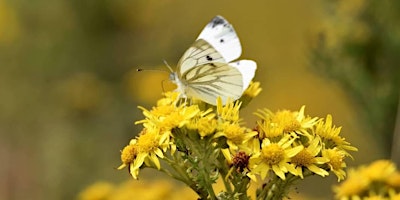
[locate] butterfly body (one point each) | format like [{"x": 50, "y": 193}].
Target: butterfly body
[{"x": 206, "y": 72}]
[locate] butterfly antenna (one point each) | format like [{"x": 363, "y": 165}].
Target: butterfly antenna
[
  {"x": 169, "y": 67},
  {"x": 156, "y": 70}
]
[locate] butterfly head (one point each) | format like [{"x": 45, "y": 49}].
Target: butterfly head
[{"x": 173, "y": 76}]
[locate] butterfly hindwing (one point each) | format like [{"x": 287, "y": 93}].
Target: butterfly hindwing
[
  {"x": 247, "y": 68},
  {"x": 221, "y": 35}
]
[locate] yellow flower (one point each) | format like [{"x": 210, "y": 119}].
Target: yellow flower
[
  {"x": 336, "y": 161},
  {"x": 128, "y": 155},
  {"x": 171, "y": 98},
  {"x": 250, "y": 93},
  {"x": 370, "y": 182},
  {"x": 379, "y": 170},
  {"x": 229, "y": 112},
  {"x": 394, "y": 180},
  {"x": 353, "y": 186},
  {"x": 375, "y": 197},
  {"x": 235, "y": 134},
  {"x": 330, "y": 135},
  {"x": 275, "y": 157},
  {"x": 167, "y": 117},
  {"x": 148, "y": 146},
  {"x": 308, "y": 158},
  {"x": 276, "y": 124},
  {"x": 98, "y": 191},
  {"x": 253, "y": 90},
  {"x": 205, "y": 123}
]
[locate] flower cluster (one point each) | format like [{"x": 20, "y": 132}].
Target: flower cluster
[
  {"x": 296, "y": 144},
  {"x": 201, "y": 144},
  {"x": 379, "y": 180},
  {"x": 143, "y": 190}
]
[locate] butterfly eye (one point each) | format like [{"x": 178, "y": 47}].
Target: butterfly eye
[{"x": 172, "y": 76}]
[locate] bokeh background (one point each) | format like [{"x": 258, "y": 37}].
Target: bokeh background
[{"x": 69, "y": 89}]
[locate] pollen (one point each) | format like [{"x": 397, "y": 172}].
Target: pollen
[
  {"x": 147, "y": 142},
  {"x": 128, "y": 154},
  {"x": 287, "y": 120},
  {"x": 234, "y": 133},
  {"x": 336, "y": 160},
  {"x": 303, "y": 158},
  {"x": 273, "y": 154},
  {"x": 163, "y": 110}
]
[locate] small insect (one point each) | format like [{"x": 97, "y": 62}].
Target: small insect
[{"x": 205, "y": 70}]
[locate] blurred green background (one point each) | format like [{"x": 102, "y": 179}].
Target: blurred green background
[{"x": 69, "y": 90}]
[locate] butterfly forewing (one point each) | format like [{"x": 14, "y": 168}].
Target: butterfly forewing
[
  {"x": 200, "y": 53},
  {"x": 221, "y": 35}
]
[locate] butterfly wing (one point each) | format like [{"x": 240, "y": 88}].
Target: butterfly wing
[
  {"x": 200, "y": 53},
  {"x": 221, "y": 35},
  {"x": 247, "y": 68},
  {"x": 204, "y": 74},
  {"x": 210, "y": 81}
]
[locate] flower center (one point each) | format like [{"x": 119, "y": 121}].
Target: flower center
[
  {"x": 234, "y": 133},
  {"x": 287, "y": 121},
  {"x": 147, "y": 142},
  {"x": 128, "y": 154},
  {"x": 303, "y": 158},
  {"x": 273, "y": 154},
  {"x": 336, "y": 161}
]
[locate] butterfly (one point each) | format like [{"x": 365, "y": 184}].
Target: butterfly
[{"x": 206, "y": 70}]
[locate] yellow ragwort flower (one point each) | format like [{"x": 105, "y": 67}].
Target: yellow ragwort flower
[
  {"x": 228, "y": 112},
  {"x": 128, "y": 155},
  {"x": 235, "y": 134},
  {"x": 336, "y": 161},
  {"x": 308, "y": 158},
  {"x": 97, "y": 191},
  {"x": 275, "y": 157},
  {"x": 394, "y": 180},
  {"x": 330, "y": 135},
  {"x": 370, "y": 182},
  {"x": 253, "y": 90},
  {"x": 353, "y": 187},
  {"x": 171, "y": 98},
  {"x": 167, "y": 117},
  {"x": 205, "y": 123},
  {"x": 379, "y": 170},
  {"x": 148, "y": 146},
  {"x": 276, "y": 124}
]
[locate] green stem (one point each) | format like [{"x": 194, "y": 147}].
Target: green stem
[
  {"x": 242, "y": 186},
  {"x": 198, "y": 159},
  {"x": 180, "y": 174},
  {"x": 276, "y": 188},
  {"x": 204, "y": 153}
]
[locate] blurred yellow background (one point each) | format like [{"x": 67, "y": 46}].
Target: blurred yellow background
[{"x": 69, "y": 89}]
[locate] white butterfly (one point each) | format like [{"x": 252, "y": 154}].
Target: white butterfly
[{"x": 205, "y": 70}]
